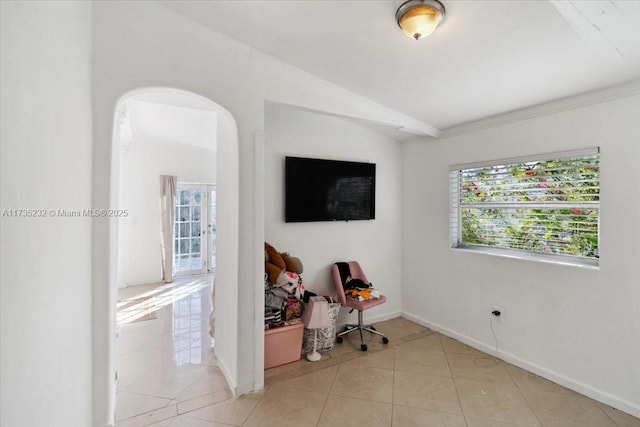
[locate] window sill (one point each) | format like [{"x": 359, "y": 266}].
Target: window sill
[{"x": 542, "y": 258}]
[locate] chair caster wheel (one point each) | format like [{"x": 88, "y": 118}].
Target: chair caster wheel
[
  {"x": 339, "y": 340},
  {"x": 363, "y": 347},
  {"x": 374, "y": 328},
  {"x": 385, "y": 340}
]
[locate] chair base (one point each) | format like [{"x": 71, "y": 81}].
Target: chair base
[{"x": 361, "y": 327}]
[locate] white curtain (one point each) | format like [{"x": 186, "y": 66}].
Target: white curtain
[{"x": 169, "y": 189}]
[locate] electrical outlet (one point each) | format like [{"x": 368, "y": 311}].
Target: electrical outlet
[{"x": 497, "y": 313}]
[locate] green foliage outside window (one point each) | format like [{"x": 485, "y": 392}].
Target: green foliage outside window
[{"x": 549, "y": 207}]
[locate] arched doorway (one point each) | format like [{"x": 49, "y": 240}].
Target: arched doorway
[{"x": 227, "y": 191}]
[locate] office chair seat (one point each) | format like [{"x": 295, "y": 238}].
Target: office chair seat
[
  {"x": 364, "y": 305},
  {"x": 356, "y": 272}
]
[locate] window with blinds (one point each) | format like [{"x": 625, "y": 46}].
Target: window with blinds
[{"x": 547, "y": 205}]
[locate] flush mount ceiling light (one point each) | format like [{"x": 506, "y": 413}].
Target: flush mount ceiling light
[{"x": 419, "y": 18}]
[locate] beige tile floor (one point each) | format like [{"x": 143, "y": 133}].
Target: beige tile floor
[{"x": 168, "y": 377}]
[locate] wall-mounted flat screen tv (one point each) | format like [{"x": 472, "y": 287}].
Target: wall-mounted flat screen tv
[{"x": 329, "y": 190}]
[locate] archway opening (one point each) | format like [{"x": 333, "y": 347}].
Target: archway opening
[{"x": 180, "y": 122}]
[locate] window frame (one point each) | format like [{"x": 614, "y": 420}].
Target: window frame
[{"x": 456, "y": 207}]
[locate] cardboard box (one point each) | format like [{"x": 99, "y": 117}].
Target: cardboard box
[{"x": 282, "y": 345}]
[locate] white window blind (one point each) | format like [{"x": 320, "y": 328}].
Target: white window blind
[{"x": 547, "y": 204}]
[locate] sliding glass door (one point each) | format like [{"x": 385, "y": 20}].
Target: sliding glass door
[{"x": 194, "y": 231}]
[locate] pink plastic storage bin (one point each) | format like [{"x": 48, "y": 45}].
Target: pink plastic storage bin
[{"x": 282, "y": 345}]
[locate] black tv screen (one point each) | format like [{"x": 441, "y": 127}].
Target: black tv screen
[{"x": 329, "y": 190}]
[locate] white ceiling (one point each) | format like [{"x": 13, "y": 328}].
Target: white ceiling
[
  {"x": 172, "y": 119},
  {"x": 487, "y": 58}
]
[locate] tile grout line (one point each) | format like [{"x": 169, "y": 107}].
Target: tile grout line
[
  {"x": 171, "y": 401},
  {"x": 455, "y": 386},
  {"x": 599, "y": 405},
  {"x": 523, "y": 396},
  {"x": 252, "y": 409},
  {"x": 326, "y": 397},
  {"x": 147, "y": 413},
  {"x": 324, "y": 406},
  {"x": 393, "y": 384}
]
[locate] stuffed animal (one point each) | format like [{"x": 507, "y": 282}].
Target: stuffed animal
[
  {"x": 292, "y": 283},
  {"x": 275, "y": 263},
  {"x": 283, "y": 270}
]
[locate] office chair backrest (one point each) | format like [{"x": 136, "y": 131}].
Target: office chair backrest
[{"x": 356, "y": 273}]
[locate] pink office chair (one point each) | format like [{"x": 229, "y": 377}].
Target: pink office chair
[{"x": 356, "y": 273}]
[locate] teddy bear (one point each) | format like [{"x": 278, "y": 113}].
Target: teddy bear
[{"x": 283, "y": 270}]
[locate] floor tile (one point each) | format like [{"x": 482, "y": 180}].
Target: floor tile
[
  {"x": 568, "y": 410},
  {"x": 340, "y": 349},
  {"x": 166, "y": 380},
  {"x": 211, "y": 380},
  {"x": 163, "y": 423},
  {"x": 131, "y": 404},
  {"x": 425, "y": 392},
  {"x": 454, "y": 346},
  {"x": 495, "y": 401},
  {"x": 528, "y": 381},
  {"x": 398, "y": 327},
  {"x": 481, "y": 422},
  {"x": 621, "y": 419},
  {"x": 383, "y": 359},
  {"x": 351, "y": 342},
  {"x": 347, "y": 412},
  {"x": 415, "y": 417},
  {"x": 231, "y": 411},
  {"x": 319, "y": 381},
  {"x": 185, "y": 421},
  {"x": 167, "y": 377},
  {"x": 281, "y": 407},
  {"x": 202, "y": 401},
  {"x": 303, "y": 367},
  {"x": 413, "y": 337},
  {"x": 482, "y": 368},
  {"x": 364, "y": 383},
  {"x": 149, "y": 417},
  {"x": 431, "y": 342},
  {"x": 411, "y": 359}
]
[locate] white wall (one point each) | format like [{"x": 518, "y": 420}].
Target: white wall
[
  {"x": 46, "y": 62},
  {"x": 576, "y": 326},
  {"x": 45, "y": 133},
  {"x": 143, "y": 162},
  {"x": 376, "y": 243},
  {"x": 141, "y": 44}
]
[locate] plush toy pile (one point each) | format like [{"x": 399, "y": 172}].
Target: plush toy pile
[
  {"x": 283, "y": 271},
  {"x": 284, "y": 288}
]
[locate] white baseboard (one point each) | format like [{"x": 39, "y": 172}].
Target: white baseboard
[
  {"x": 141, "y": 282},
  {"x": 236, "y": 390},
  {"x": 373, "y": 319},
  {"x": 383, "y": 317},
  {"x": 601, "y": 396},
  {"x": 245, "y": 389},
  {"x": 227, "y": 376}
]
